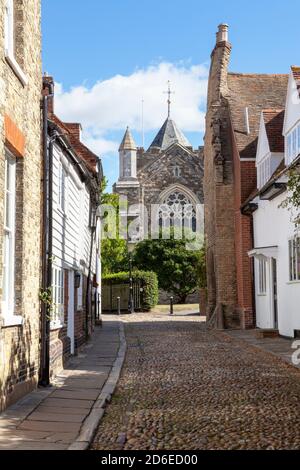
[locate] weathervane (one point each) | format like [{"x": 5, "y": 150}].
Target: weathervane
[{"x": 169, "y": 93}]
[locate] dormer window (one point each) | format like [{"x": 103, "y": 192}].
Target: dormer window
[{"x": 293, "y": 144}]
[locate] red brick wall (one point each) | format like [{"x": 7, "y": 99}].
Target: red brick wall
[{"x": 245, "y": 184}]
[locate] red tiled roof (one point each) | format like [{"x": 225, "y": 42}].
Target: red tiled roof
[
  {"x": 255, "y": 92},
  {"x": 274, "y": 125},
  {"x": 80, "y": 149}
]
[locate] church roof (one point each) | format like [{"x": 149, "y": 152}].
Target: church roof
[
  {"x": 169, "y": 134},
  {"x": 128, "y": 142}
]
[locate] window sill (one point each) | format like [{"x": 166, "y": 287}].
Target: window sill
[
  {"x": 16, "y": 68},
  {"x": 13, "y": 320},
  {"x": 293, "y": 282}
]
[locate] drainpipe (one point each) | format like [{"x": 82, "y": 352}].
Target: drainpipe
[{"x": 47, "y": 246}]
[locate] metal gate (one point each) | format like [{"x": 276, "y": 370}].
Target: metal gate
[{"x": 111, "y": 291}]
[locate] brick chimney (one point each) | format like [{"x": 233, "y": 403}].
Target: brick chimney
[
  {"x": 48, "y": 90},
  {"x": 220, "y": 56},
  {"x": 75, "y": 129},
  {"x": 222, "y": 34}
]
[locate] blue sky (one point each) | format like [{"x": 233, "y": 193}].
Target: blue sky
[{"x": 106, "y": 56}]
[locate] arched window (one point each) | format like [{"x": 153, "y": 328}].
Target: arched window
[{"x": 177, "y": 210}]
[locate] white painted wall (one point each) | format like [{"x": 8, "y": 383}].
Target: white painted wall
[{"x": 273, "y": 227}]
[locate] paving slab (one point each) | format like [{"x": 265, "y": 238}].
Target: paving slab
[
  {"x": 80, "y": 404},
  {"x": 56, "y": 426},
  {"x": 59, "y": 417},
  {"x": 76, "y": 394}
]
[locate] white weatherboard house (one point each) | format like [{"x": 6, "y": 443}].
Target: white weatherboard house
[
  {"x": 276, "y": 250},
  {"x": 72, "y": 265}
]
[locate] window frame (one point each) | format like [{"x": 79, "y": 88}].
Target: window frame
[
  {"x": 9, "y": 41},
  {"x": 292, "y": 144},
  {"x": 62, "y": 188},
  {"x": 80, "y": 294},
  {"x": 262, "y": 276},
  {"x": 9, "y": 242},
  {"x": 294, "y": 259},
  {"x": 58, "y": 298}
]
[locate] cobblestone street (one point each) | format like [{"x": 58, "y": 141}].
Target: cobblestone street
[{"x": 185, "y": 388}]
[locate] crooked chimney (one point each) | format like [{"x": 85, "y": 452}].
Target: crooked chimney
[{"x": 222, "y": 34}]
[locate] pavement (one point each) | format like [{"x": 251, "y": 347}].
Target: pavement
[
  {"x": 184, "y": 387},
  {"x": 66, "y": 415},
  {"x": 278, "y": 346}
]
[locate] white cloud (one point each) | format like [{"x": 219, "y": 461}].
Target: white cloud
[{"x": 112, "y": 104}]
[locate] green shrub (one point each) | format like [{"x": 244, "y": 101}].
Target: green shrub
[{"x": 148, "y": 281}]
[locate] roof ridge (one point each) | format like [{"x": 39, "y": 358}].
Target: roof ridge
[{"x": 238, "y": 74}]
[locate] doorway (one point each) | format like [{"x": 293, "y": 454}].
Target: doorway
[{"x": 275, "y": 294}]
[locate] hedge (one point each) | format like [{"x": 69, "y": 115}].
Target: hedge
[{"x": 148, "y": 281}]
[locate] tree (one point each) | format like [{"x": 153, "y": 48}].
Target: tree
[
  {"x": 292, "y": 201},
  {"x": 114, "y": 255},
  {"x": 180, "y": 271}
]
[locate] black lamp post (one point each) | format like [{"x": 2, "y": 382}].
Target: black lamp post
[{"x": 131, "y": 300}]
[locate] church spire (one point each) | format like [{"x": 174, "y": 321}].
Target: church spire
[
  {"x": 128, "y": 142},
  {"x": 169, "y": 93}
]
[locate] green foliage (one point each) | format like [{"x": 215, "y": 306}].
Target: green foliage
[
  {"x": 292, "y": 201},
  {"x": 47, "y": 299},
  {"x": 148, "y": 281},
  {"x": 113, "y": 255},
  {"x": 179, "y": 270},
  {"x": 113, "y": 250}
]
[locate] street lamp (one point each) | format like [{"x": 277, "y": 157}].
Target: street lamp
[{"x": 131, "y": 299}]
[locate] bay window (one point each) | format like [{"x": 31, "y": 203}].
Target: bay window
[{"x": 293, "y": 144}]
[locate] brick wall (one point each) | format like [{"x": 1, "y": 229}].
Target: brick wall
[{"x": 19, "y": 345}]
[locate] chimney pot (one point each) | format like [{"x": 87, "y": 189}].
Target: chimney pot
[{"x": 222, "y": 34}]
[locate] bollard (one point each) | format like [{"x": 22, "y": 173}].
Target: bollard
[
  {"x": 119, "y": 305},
  {"x": 171, "y": 306}
]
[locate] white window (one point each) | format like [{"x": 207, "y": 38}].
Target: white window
[
  {"x": 264, "y": 172},
  {"x": 62, "y": 177},
  {"x": 294, "y": 259},
  {"x": 9, "y": 28},
  {"x": 79, "y": 294},
  {"x": 293, "y": 144},
  {"x": 9, "y": 34},
  {"x": 262, "y": 280},
  {"x": 57, "y": 316},
  {"x": 9, "y": 236}
]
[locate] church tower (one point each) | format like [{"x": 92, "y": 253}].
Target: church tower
[
  {"x": 127, "y": 157},
  {"x": 128, "y": 186}
]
